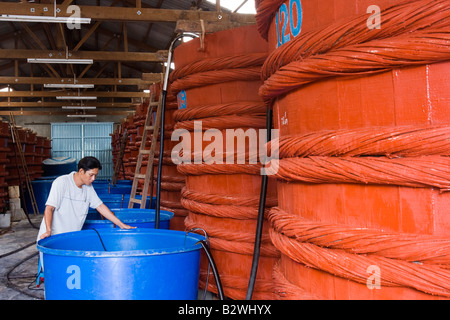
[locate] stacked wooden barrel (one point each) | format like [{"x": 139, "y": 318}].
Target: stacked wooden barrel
[
  {"x": 216, "y": 81},
  {"x": 4, "y": 151},
  {"x": 133, "y": 126},
  {"x": 364, "y": 119},
  {"x": 172, "y": 182},
  {"x": 131, "y": 150},
  {"x": 34, "y": 148},
  {"x": 40, "y": 154},
  {"x": 116, "y": 139}
]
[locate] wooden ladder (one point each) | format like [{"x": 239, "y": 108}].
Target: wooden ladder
[
  {"x": 119, "y": 162},
  {"x": 16, "y": 140},
  {"x": 148, "y": 176}
]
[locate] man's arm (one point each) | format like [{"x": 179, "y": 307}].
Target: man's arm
[
  {"x": 104, "y": 211},
  {"x": 48, "y": 218}
]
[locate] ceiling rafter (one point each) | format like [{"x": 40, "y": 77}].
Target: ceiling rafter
[
  {"x": 150, "y": 79},
  {"x": 87, "y": 35},
  {"x": 126, "y": 39},
  {"x": 45, "y": 67},
  {"x": 61, "y": 113},
  {"x": 103, "y": 13},
  {"x": 41, "y": 45},
  {"x": 100, "y": 94},
  {"x": 46, "y": 104},
  {"x": 98, "y": 56}
]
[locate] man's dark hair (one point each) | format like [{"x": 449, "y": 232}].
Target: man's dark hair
[{"x": 88, "y": 163}]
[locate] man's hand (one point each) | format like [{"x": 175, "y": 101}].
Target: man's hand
[
  {"x": 48, "y": 218},
  {"x": 125, "y": 226},
  {"x": 108, "y": 214},
  {"x": 45, "y": 235}
]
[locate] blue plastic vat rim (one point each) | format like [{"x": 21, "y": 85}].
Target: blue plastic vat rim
[
  {"x": 54, "y": 161},
  {"x": 130, "y": 253},
  {"x": 164, "y": 216}
]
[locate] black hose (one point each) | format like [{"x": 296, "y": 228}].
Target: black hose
[
  {"x": 11, "y": 285},
  {"x": 17, "y": 250},
  {"x": 160, "y": 162},
  {"x": 260, "y": 219},
  {"x": 161, "y": 142},
  {"x": 24, "y": 205},
  {"x": 100, "y": 238},
  {"x": 214, "y": 268}
]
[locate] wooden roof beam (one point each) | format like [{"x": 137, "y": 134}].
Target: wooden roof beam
[
  {"x": 59, "y": 104},
  {"x": 95, "y": 55},
  {"x": 87, "y": 35},
  {"x": 149, "y": 79},
  {"x": 100, "y": 94},
  {"x": 208, "y": 27},
  {"x": 61, "y": 113},
  {"x": 102, "y": 13}
]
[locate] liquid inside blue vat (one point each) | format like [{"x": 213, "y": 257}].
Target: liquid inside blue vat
[
  {"x": 122, "y": 200},
  {"x": 110, "y": 189},
  {"x": 104, "y": 182},
  {"x": 149, "y": 264},
  {"x": 141, "y": 218}
]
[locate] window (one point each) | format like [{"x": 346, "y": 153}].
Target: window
[{"x": 79, "y": 140}]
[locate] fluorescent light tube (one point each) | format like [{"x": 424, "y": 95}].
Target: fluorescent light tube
[
  {"x": 79, "y": 107},
  {"x": 81, "y": 115},
  {"x": 68, "y": 85},
  {"x": 52, "y": 19},
  {"x": 66, "y": 61},
  {"x": 75, "y": 98}
]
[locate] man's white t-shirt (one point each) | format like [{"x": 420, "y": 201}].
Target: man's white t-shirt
[{"x": 71, "y": 205}]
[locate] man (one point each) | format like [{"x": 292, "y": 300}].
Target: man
[{"x": 69, "y": 200}]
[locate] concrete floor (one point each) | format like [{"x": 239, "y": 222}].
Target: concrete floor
[{"x": 19, "y": 261}]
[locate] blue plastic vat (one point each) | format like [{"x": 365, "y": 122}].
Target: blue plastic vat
[
  {"x": 139, "y": 264},
  {"x": 110, "y": 189},
  {"x": 41, "y": 190},
  {"x": 141, "y": 218},
  {"x": 115, "y": 199},
  {"x": 122, "y": 200},
  {"x": 59, "y": 165},
  {"x": 105, "y": 182}
]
